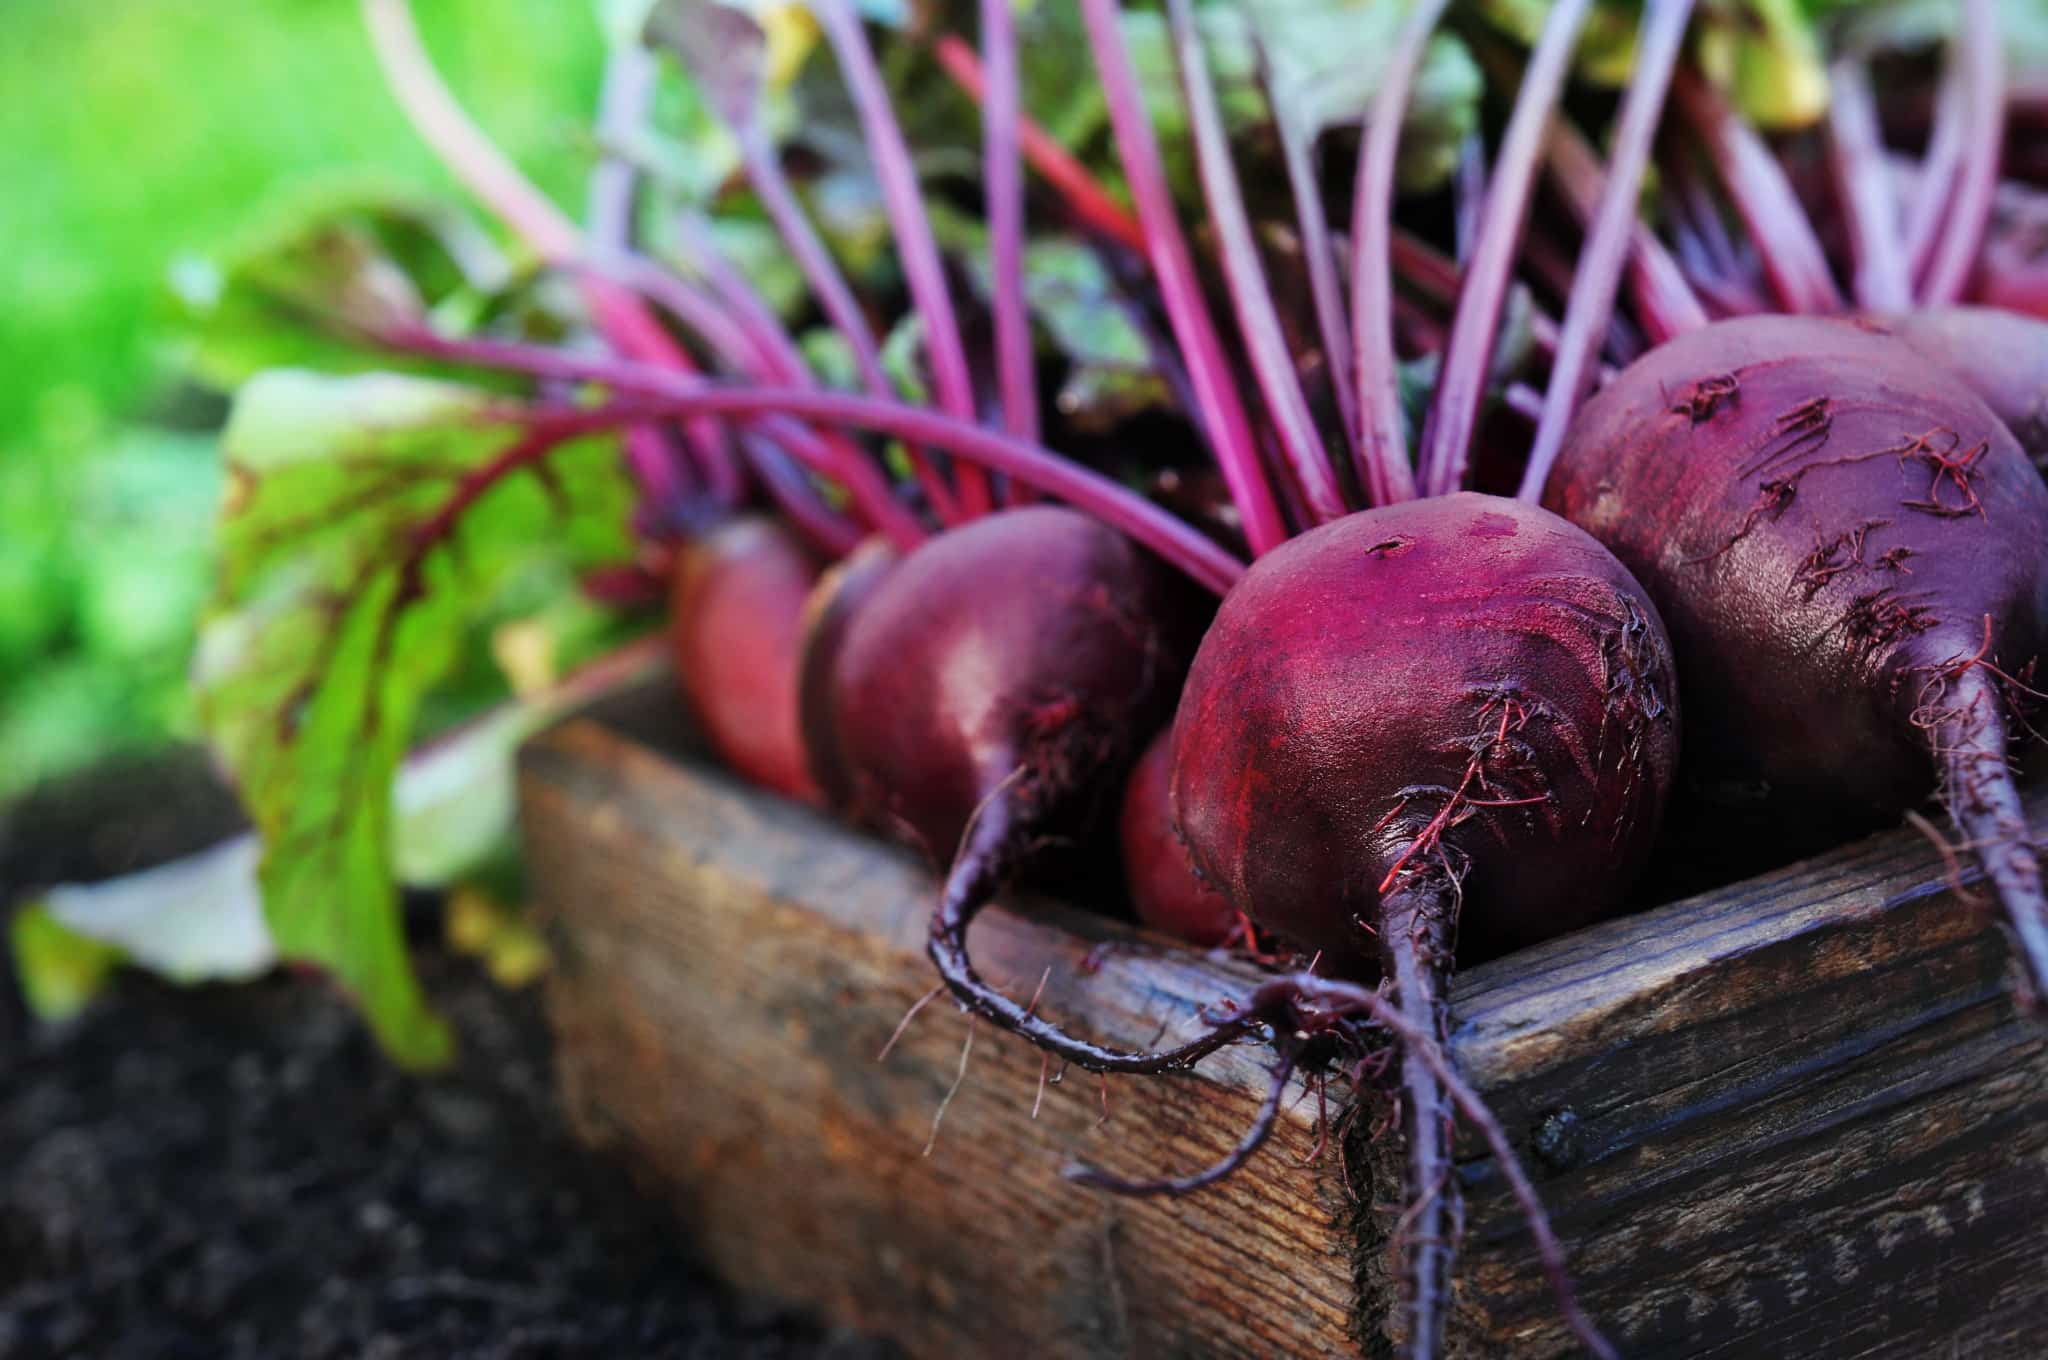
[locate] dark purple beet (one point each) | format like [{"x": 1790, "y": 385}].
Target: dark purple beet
[
  {"x": 827, "y": 615},
  {"x": 1165, "y": 890},
  {"x": 1852, "y": 554},
  {"x": 991, "y": 694},
  {"x": 1998, "y": 354},
  {"x": 734, "y": 622},
  {"x": 1441, "y": 715}
]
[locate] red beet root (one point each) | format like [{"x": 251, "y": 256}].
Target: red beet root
[
  {"x": 990, "y": 694},
  {"x": 1164, "y": 888},
  {"x": 1852, "y": 554},
  {"x": 828, "y": 614},
  {"x": 734, "y": 621},
  {"x": 1459, "y": 706},
  {"x": 2000, "y": 355}
]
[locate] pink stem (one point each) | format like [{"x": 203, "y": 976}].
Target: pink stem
[
  {"x": 1003, "y": 178},
  {"x": 780, "y": 358},
  {"x": 1609, "y": 243},
  {"x": 1468, "y": 189},
  {"x": 1940, "y": 165},
  {"x": 1779, "y": 229},
  {"x": 748, "y": 350},
  {"x": 903, "y": 201},
  {"x": 1863, "y": 186},
  {"x": 675, "y": 396},
  {"x": 1082, "y": 194},
  {"x": 1294, "y": 425},
  {"x": 1325, "y": 286},
  {"x": 1447, "y": 433},
  {"x": 830, "y": 532},
  {"x": 1221, "y": 408},
  {"x": 489, "y": 174},
  {"x": 1664, "y": 302},
  {"x": 1962, "y": 234},
  {"x": 1382, "y": 448},
  {"x": 613, "y": 195}
]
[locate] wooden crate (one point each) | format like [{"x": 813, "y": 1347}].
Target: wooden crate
[{"x": 1797, "y": 1117}]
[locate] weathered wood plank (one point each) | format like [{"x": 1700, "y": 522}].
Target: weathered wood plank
[
  {"x": 729, "y": 968},
  {"x": 1805, "y": 1121},
  {"x": 1794, "y": 1117}
]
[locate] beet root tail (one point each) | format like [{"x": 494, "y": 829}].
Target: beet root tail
[
  {"x": 1415, "y": 929},
  {"x": 1985, "y": 804},
  {"x": 989, "y": 853}
]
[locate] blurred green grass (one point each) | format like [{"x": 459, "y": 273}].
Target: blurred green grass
[{"x": 141, "y": 133}]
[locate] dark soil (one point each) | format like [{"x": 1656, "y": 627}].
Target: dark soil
[{"x": 235, "y": 1172}]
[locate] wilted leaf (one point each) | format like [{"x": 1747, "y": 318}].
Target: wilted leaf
[{"x": 367, "y": 519}]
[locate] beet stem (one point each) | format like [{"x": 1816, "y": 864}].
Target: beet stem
[
  {"x": 1342, "y": 998},
  {"x": 675, "y": 395},
  {"x": 1079, "y": 191},
  {"x": 1258, "y": 322},
  {"x": 1381, "y": 448},
  {"x": 1664, "y": 302},
  {"x": 1969, "y": 213},
  {"x": 1610, "y": 240},
  {"x": 1863, "y": 186},
  {"x": 871, "y": 492},
  {"x": 835, "y": 296},
  {"x": 1454, "y": 412},
  {"x": 1175, "y": 1186},
  {"x": 1319, "y": 260},
  {"x": 903, "y": 202},
  {"x": 482, "y": 167},
  {"x": 1779, "y": 228},
  {"x": 751, "y": 352},
  {"x": 1003, "y": 188},
  {"x": 823, "y": 528},
  {"x": 1985, "y": 803},
  {"x": 1938, "y": 168},
  {"x": 1218, "y": 402},
  {"x": 988, "y": 854},
  {"x": 1468, "y": 188},
  {"x": 1415, "y": 951},
  {"x": 612, "y": 201}
]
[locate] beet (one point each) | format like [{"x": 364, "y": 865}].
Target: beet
[
  {"x": 827, "y": 616},
  {"x": 1851, "y": 552},
  {"x": 990, "y": 696},
  {"x": 2000, "y": 355},
  {"x": 1445, "y": 715},
  {"x": 734, "y": 622},
  {"x": 1165, "y": 890}
]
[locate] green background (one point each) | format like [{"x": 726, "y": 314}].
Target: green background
[{"x": 140, "y": 135}]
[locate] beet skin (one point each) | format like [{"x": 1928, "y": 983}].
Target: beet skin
[
  {"x": 990, "y": 697},
  {"x": 1442, "y": 717},
  {"x": 735, "y": 626},
  {"x": 1165, "y": 890},
  {"x": 1851, "y": 552}
]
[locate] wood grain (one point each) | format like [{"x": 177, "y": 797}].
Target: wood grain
[{"x": 1795, "y": 1117}]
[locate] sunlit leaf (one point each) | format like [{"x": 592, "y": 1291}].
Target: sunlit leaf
[{"x": 366, "y": 520}]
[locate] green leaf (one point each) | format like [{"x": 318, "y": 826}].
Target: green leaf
[
  {"x": 60, "y": 970},
  {"x": 1768, "y": 58},
  {"x": 722, "y": 48},
  {"x": 367, "y": 519},
  {"x": 355, "y": 251},
  {"x": 1327, "y": 59},
  {"x": 1607, "y": 44}
]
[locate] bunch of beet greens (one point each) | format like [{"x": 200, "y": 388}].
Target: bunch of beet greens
[{"x": 1759, "y": 543}]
